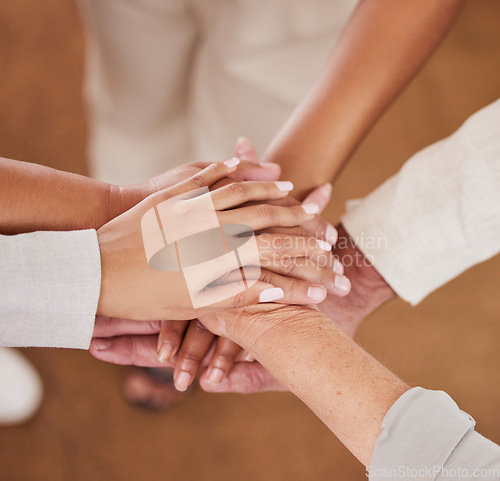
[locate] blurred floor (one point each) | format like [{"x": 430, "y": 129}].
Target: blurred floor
[{"x": 86, "y": 432}]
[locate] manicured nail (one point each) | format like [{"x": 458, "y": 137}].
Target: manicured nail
[
  {"x": 284, "y": 185},
  {"x": 243, "y": 146},
  {"x": 232, "y": 162},
  {"x": 165, "y": 351},
  {"x": 342, "y": 283},
  {"x": 331, "y": 234},
  {"x": 272, "y": 294},
  {"x": 215, "y": 375},
  {"x": 316, "y": 293},
  {"x": 328, "y": 187},
  {"x": 338, "y": 267},
  {"x": 101, "y": 344},
  {"x": 249, "y": 357},
  {"x": 311, "y": 208},
  {"x": 182, "y": 381},
  {"x": 324, "y": 245}
]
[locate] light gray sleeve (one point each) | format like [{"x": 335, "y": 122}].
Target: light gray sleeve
[
  {"x": 439, "y": 215},
  {"x": 50, "y": 284},
  {"x": 425, "y": 436}
]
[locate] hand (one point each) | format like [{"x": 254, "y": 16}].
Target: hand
[
  {"x": 187, "y": 345},
  {"x": 190, "y": 347},
  {"x": 123, "y": 198},
  {"x": 156, "y": 294},
  {"x": 369, "y": 291},
  {"x": 139, "y": 350}
]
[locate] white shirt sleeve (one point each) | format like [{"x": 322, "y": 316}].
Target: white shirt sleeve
[
  {"x": 50, "y": 284},
  {"x": 426, "y": 436},
  {"x": 439, "y": 215}
]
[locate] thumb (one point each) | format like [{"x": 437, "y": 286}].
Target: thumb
[
  {"x": 320, "y": 195},
  {"x": 246, "y": 151}
]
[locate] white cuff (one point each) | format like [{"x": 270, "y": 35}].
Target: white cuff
[
  {"x": 426, "y": 436},
  {"x": 439, "y": 215},
  {"x": 50, "y": 285}
]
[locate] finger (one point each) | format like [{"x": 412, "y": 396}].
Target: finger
[
  {"x": 296, "y": 291},
  {"x": 320, "y": 195},
  {"x": 246, "y": 151},
  {"x": 223, "y": 359},
  {"x": 135, "y": 350},
  {"x": 206, "y": 177},
  {"x": 244, "y": 378},
  {"x": 170, "y": 339},
  {"x": 238, "y": 294},
  {"x": 274, "y": 247},
  {"x": 252, "y": 171},
  {"x": 195, "y": 346},
  {"x": 262, "y": 216},
  {"x": 238, "y": 193},
  {"x": 115, "y": 326},
  {"x": 312, "y": 271}
]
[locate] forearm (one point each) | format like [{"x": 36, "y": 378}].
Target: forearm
[
  {"x": 34, "y": 197},
  {"x": 346, "y": 388},
  {"x": 381, "y": 49}
]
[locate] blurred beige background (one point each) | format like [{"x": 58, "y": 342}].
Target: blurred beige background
[{"x": 85, "y": 431}]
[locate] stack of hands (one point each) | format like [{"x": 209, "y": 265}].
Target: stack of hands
[{"x": 298, "y": 269}]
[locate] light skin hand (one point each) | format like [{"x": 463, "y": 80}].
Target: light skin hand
[
  {"x": 188, "y": 357},
  {"x": 369, "y": 291},
  {"x": 131, "y": 289},
  {"x": 307, "y": 353}
]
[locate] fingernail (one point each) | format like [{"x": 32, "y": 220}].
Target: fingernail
[
  {"x": 328, "y": 187},
  {"x": 342, "y": 283},
  {"x": 316, "y": 293},
  {"x": 311, "y": 208},
  {"x": 165, "y": 351},
  {"x": 272, "y": 294},
  {"x": 243, "y": 146},
  {"x": 284, "y": 185},
  {"x": 249, "y": 357},
  {"x": 215, "y": 375},
  {"x": 331, "y": 234},
  {"x": 324, "y": 245},
  {"x": 182, "y": 381},
  {"x": 338, "y": 267},
  {"x": 101, "y": 344},
  {"x": 232, "y": 162}
]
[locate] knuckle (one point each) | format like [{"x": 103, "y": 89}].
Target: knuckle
[
  {"x": 288, "y": 265},
  {"x": 224, "y": 359},
  {"x": 240, "y": 300},
  {"x": 266, "y": 276},
  {"x": 255, "y": 382},
  {"x": 154, "y": 326},
  {"x": 266, "y": 213},
  {"x": 190, "y": 357},
  {"x": 238, "y": 190},
  {"x": 198, "y": 327},
  {"x": 198, "y": 180},
  {"x": 279, "y": 244}
]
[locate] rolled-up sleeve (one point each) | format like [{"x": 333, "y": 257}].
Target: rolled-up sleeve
[
  {"x": 50, "y": 284},
  {"x": 426, "y": 436},
  {"x": 439, "y": 215}
]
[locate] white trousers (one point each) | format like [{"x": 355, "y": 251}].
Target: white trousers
[{"x": 174, "y": 81}]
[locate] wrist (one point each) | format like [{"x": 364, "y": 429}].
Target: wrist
[
  {"x": 368, "y": 289},
  {"x": 121, "y": 198},
  {"x": 274, "y": 327}
]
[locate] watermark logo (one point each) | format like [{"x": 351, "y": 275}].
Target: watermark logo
[{"x": 183, "y": 234}]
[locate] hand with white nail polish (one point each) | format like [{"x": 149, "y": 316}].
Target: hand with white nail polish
[{"x": 191, "y": 279}]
